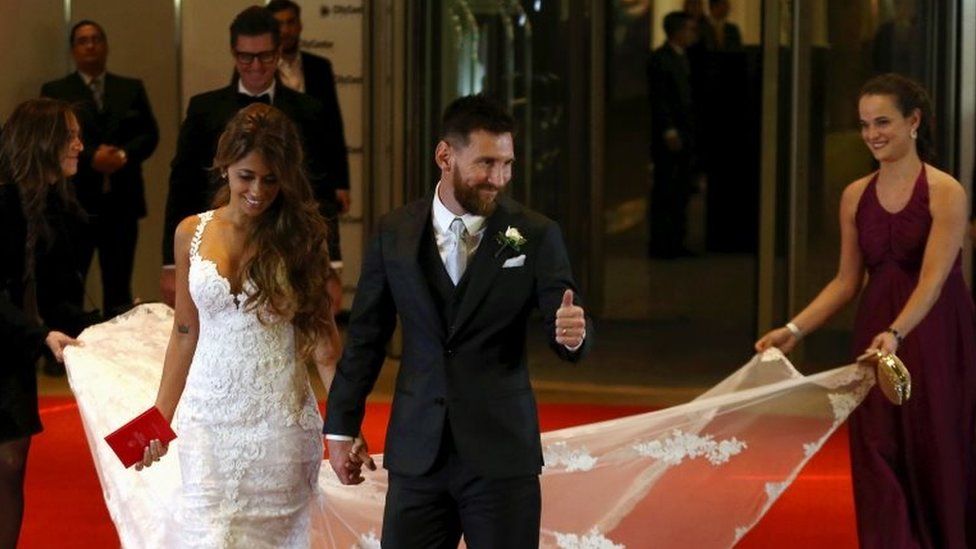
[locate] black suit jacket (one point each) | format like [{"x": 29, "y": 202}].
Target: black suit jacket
[
  {"x": 320, "y": 84},
  {"x": 731, "y": 36},
  {"x": 20, "y": 335},
  {"x": 473, "y": 373},
  {"x": 192, "y": 185},
  {"x": 127, "y": 122},
  {"x": 669, "y": 85}
]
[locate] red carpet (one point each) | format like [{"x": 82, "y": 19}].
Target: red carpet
[{"x": 65, "y": 507}]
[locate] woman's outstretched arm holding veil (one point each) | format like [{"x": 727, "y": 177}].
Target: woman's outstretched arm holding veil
[
  {"x": 839, "y": 291},
  {"x": 182, "y": 340}
]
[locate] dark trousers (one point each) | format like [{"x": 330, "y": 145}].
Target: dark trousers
[
  {"x": 668, "y": 208},
  {"x": 115, "y": 239},
  {"x": 434, "y": 510}
]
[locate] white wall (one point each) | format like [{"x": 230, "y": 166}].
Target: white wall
[{"x": 35, "y": 48}]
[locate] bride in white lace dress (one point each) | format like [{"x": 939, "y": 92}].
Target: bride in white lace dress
[{"x": 251, "y": 308}]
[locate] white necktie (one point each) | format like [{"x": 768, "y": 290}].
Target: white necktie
[{"x": 457, "y": 257}]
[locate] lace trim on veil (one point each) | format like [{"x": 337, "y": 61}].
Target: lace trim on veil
[{"x": 697, "y": 475}]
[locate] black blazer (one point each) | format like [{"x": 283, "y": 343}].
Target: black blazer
[
  {"x": 192, "y": 185},
  {"x": 126, "y": 122},
  {"x": 320, "y": 84},
  {"x": 472, "y": 373},
  {"x": 669, "y": 87},
  {"x": 732, "y": 37},
  {"x": 21, "y": 337}
]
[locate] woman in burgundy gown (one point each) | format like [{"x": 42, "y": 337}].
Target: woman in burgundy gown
[{"x": 913, "y": 466}]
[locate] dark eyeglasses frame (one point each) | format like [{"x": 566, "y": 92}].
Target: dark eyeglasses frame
[{"x": 265, "y": 57}]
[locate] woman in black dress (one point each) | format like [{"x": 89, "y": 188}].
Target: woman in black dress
[{"x": 39, "y": 150}]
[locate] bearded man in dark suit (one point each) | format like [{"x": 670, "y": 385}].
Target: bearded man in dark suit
[
  {"x": 462, "y": 268},
  {"x": 254, "y": 41},
  {"x": 119, "y": 133},
  {"x": 311, "y": 74}
]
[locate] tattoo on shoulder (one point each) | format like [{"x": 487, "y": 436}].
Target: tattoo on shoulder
[{"x": 183, "y": 328}]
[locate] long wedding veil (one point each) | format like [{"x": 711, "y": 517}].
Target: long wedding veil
[{"x": 696, "y": 475}]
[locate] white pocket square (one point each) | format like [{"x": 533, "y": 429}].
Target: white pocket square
[{"x": 514, "y": 262}]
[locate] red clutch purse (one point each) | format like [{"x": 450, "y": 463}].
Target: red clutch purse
[{"x": 130, "y": 440}]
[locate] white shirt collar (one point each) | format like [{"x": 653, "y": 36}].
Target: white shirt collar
[
  {"x": 87, "y": 79},
  {"x": 291, "y": 72},
  {"x": 443, "y": 217},
  {"x": 270, "y": 90},
  {"x": 295, "y": 64}
]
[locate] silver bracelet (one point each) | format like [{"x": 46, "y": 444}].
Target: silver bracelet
[{"x": 794, "y": 329}]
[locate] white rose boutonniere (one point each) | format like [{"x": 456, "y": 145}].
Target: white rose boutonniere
[{"x": 511, "y": 238}]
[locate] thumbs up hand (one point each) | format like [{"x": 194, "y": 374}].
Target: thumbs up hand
[{"x": 570, "y": 323}]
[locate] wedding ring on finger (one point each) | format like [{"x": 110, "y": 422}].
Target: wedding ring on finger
[{"x": 564, "y": 331}]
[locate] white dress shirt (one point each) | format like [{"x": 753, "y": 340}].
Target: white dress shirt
[
  {"x": 292, "y": 73},
  {"x": 442, "y": 218},
  {"x": 270, "y": 90}
]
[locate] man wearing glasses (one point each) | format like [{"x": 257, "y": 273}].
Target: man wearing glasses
[{"x": 254, "y": 41}]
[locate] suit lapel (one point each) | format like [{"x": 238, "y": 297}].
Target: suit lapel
[
  {"x": 411, "y": 233},
  {"x": 81, "y": 90},
  {"x": 485, "y": 266}
]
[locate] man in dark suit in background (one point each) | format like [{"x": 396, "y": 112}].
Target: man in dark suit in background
[
  {"x": 312, "y": 74},
  {"x": 254, "y": 44},
  {"x": 463, "y": 268},
  {"x": 119, "y": 133},
  {"x": 717, "y": 33},
  {"x": 672, "y": 138}
]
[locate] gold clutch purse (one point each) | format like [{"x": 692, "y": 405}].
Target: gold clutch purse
[{"x": 892, "y": 375}]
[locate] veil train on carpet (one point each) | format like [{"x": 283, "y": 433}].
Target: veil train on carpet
[{"x": 700, "y": 474}]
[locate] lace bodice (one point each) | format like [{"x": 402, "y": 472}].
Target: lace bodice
[
  {"x": 248, "y": 420},
  {"x": 244, "y": 363}
]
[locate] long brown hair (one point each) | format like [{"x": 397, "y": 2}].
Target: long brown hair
[
  {"x": 32, "y": 144},
  {"x": 290, "y": 264}
]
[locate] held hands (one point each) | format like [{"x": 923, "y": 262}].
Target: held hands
[
  {"x": 781, "y": 338},
  {"x": 348, "y": 457},
  {"x": 570, "y": 322},
  {"x": 152, "y": 454},
  {"x": 108, "y": 159},
  {"x": 57, "y": 341}
]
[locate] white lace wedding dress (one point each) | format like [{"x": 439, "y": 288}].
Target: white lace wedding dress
[
  {"x": 700, "y": 475},
  {"x": 248, "y": 424}
]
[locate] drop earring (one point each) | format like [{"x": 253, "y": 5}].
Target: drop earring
[{"x": 914, "y": 134}]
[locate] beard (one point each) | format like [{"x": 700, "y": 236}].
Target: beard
[{"x": 470, "y": 199}]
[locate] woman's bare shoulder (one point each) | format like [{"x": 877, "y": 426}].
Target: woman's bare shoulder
[
  {"x": 854, "y": 190},
  {"x": 943, "y": 183}
]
